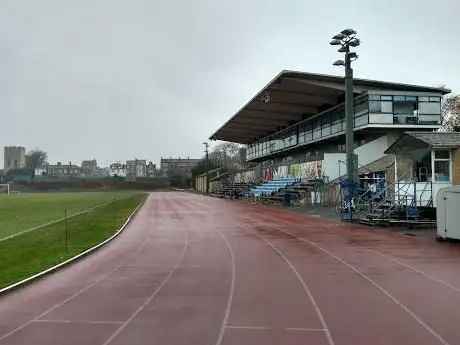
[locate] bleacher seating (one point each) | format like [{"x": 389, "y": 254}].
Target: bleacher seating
[
  {"x": 273, "y": 186},
  {"x": 235, "y": 189}
]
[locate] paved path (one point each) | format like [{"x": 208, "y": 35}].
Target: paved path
[{"x": 202, "y": 271}]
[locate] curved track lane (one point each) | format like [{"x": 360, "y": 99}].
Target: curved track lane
[{"x": 195, "y": 270}]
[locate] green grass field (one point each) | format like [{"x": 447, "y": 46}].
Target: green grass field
[
  {"x": 25, "y": 211},
  {"x": 33, "y": 251}
]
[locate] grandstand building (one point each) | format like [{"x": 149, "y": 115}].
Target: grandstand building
[
  {"x": 299, "y": 117},
  {"x": 294, "y": 132}
]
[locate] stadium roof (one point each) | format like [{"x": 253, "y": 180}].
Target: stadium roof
[{"x": 294, "y": 96}]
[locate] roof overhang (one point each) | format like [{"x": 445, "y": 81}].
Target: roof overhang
[
  {"x": 294, "y": 96},
  {"x": 408, "y": 142}
]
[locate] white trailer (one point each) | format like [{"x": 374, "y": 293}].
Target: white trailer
[{"x": 448, "y": 213}]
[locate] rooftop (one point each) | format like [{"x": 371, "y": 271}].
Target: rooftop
[
  {"x": 411, "y": 141},
  {"x": 294, "y": 96}
]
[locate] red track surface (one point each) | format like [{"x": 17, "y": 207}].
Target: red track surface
[{"x": 195, "y": 270}]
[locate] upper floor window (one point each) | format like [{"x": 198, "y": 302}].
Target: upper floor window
[{"x": 381, "y": 104}]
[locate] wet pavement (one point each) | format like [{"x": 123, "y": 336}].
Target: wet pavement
[{"x": 196, "y": 270}]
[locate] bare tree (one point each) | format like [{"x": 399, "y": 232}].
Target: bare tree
[
  {"x": 226, "y": 154},
  {"x": 36, "y": 159},
  {"x": 450, "y": 112}
]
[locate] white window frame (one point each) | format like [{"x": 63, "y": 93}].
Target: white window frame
[{"x": 434, "y": 159}]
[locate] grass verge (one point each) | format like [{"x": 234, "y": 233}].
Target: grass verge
[
  {"x": 30, "y": 253},
  {"x": 24, "y": 211}
]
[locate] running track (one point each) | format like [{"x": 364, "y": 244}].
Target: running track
[{"x": 202, "y": 271}]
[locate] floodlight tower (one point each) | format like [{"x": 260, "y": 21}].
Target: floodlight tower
[{"x": 347, "y": 39}]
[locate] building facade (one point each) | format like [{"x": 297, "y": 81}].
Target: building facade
[
  {"x": 117, "y": 169},
  {"x": 14, "y": 157},
  {"x": 178, "y": 166},
  {"x": 136, "y": 168},
  {"x": 63, "y": 170},
  {"x": 89, "y": 167},
  {"x": 151, "y": 169}
]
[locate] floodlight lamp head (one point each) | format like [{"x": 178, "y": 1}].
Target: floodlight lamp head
[
  {"x": 339, "y": 63},
  {"x": 335, "y": 42},
  {"x": 353, "y": 55},
  {"x": 354, "y": 42},
  {"x": 339, "y": 37},
  {"x": 348, "y": 32}
]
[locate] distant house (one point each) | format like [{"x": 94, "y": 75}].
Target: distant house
[
  {"x": 63, "y": 170},
  {"x": 178, "y": 166},
  {"x": 151, "y": 169},
  {"x": 136, "y": 168},
  {"x": 89, "y": 167},
  {"x": 117, "y": 169}
]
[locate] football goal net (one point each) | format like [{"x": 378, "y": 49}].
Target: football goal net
[{"x": 5, "y": 189}]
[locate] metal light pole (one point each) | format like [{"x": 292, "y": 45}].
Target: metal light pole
[
  {"x": 206, "y": 150},
  {"x": 346, "y": 39}
]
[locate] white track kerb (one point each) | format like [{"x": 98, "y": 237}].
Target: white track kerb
[{"x": 41, "y": 274}]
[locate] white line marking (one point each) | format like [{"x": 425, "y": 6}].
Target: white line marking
[
  {"x": 53, "y": 222},
  {"x": 81, "y": 322},
  {"x": 162, "y": 266},
  {"x": 427, "y": 275},
  {"x": 79, "y": 292},
  {"x": 392, "y": 258},
  {"x": 294, "y": 329},
  {"x": 231, "y": 293},
  {"x": 304, "y": 285},
  {"x": 151, "y": 297},
  {"x": 372, "y": 282},
  {"x": 257, "y": 328}
]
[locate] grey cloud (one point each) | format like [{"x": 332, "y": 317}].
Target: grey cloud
[{"x": 123, "y": 79}]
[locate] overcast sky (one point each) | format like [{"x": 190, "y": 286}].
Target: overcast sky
[{"x": 118, "y": 79}]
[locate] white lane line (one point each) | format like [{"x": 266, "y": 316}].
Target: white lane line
[
  {"x": 53, "y": 222},
  {"x": 392, "y": 258},
  {"x": 231, "y": 293},
  {"x": 376, "y": 285},
  {"x": 304, "y": 285},
  {"x": 296, "y": 329},
  {"x": 162, "y": 266},
  {"x": 427, "y": 275},
  {"x": 256, "y": 328},
  {"x": 151, "y": 297},
  {"x": 80, "y": 322},
  {"x": 79, "y": 292}
]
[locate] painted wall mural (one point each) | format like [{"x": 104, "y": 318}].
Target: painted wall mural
[{"x": 307, "y": 170}]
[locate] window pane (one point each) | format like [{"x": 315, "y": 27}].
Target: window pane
[
  {"x": 361, "y": 106},
  {"x": 435, "y": 99},
  {"x": 423, "y": 99},
  {"x": 399, "y": 98},
  {"x": 404, "y": 108},
  {"x": 386, "y": 98},
  {"x": 444, "y": 154},
  {"x": 411, "y": 98},
  {"x": 429, "y": 108},
  {"x": 360, "y": 121},
  {"x": 386, "y": 107},
  {"x": 317, "y": 129},
  {"x": 441, "y": 171},
  {"x": 374, "y": 97},
  {"x": 308, "y": 132},
  {"x": 375, "y": 107}
]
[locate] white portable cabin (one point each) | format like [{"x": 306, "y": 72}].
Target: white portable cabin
[{"x": 448, "y": 213}]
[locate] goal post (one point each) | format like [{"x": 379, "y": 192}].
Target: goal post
[{"x": 4, "y": 188}]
